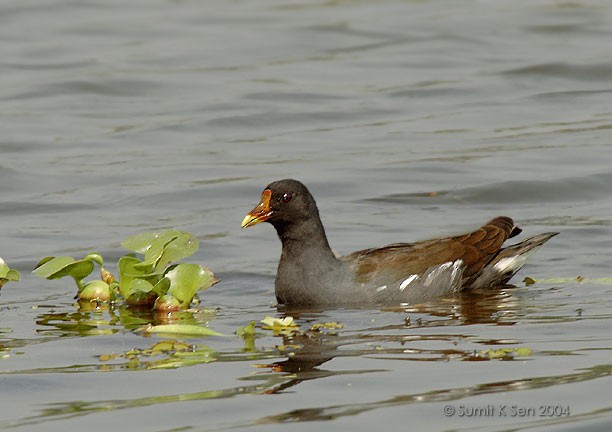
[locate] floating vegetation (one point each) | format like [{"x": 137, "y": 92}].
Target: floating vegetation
[
  {"x": 154, "y": 281},
  {"x": 280, "y": 326},
  {"x": 7, "y": 274},
  {"x": 504, "y": 353},
  {"x": 326, "y": 326},
  {"x": 182, "y": 329},
  {"x": 578, "y": 279},
  {"x": 168, "y": 354}
]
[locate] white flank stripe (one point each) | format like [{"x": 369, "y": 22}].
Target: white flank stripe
[
  {"x": 456, "y": 268},
  {"x": 436, "y": 272},
  {"x": 408, "y": 281}
]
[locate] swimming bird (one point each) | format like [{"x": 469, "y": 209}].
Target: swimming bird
[{"x": 310, "y": 274}]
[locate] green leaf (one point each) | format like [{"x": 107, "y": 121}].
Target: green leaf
[
  {"x": 141, "y": 243},
  {"x": 43, "y": 261},
  {"x": 4, "y": 268},
  {"x": 161, "y": 248},
  {"x": 155, "y": 251},
  {"x": 12, "y": 275},
  {"x": 7, "y": 273},
  {"x": 139, "y": 286},
  {"x": 50, "y": 265},
  {"x": 180, "y": 247},
  {"x": 187, "y": 279},
  {"x": 161, "y": 287},
  {"x": 246, "y": 331},
  {"x": 59, "y": 267},
  {"x": 184, "y": 329},
  {"x": 129, "y": 272}
]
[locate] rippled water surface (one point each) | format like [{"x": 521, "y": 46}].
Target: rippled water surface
[{"x": 406, "y": 119}]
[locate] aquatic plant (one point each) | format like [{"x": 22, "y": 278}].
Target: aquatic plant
[
  {"x": 167, "y": 354},
  {"x": 7, "y": 274},
  {"x": 153, "y": 281},
  {"x": 58, "y": 267}
]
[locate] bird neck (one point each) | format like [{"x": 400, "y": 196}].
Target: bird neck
[{"x": 305, "y": 237}]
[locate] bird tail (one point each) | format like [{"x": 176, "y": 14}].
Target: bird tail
[{"x": 508, "y": 261}]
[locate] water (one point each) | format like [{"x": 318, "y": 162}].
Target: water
[{"x": 406, "y": 119}]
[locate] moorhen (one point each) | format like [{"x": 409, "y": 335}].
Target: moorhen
[{"x": 310, "y": 274}]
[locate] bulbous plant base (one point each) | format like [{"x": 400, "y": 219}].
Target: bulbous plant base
[{"x": 167, "y": 303}]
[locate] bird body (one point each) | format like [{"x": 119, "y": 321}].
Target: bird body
[{"x": 310, "y": 274}]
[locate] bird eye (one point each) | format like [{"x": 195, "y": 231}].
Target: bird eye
[{"x": 286, "y": 198}]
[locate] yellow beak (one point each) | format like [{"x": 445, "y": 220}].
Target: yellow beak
[{"x": 261, "y": 212}]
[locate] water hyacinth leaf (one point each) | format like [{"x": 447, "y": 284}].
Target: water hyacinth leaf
[
  {"x": 4, "y": 268},
  {"x": 141, "y": 243},
  {"x": 140, "y": 293},
  {"x": 187, "y": 279},
  {"x": 59, "y": 267},
  {"x": 180, "y": 247},
  {"x": 44, "y": 261},
  {"x": 78, "y": 270},
  {"x": 49, "y": 265},
  {"x": 154, "y": 253},
  {"x": 145, "y": 266},
  {"x": 161, "y": 248},
  {"x": 128, "y": 271},
  {"x": 139, "y": 286},
  {"x": 11, "y": 275},
  {"x": 183, "y": 329},
  {"x": 7, "y": 273},
  {"x": 162, "y": 286}
]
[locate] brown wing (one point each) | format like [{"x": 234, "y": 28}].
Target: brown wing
[{"x": 475, "y": 249}]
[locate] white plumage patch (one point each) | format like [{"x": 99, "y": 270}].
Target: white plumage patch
[
  {"x": 436, "y": 272},
  {"x": 457, "y": 270},
  {"x": 381, "y": 288},
  {"x": 450, "y": 271},
  {"x": 408, "y": 281},
  {"x": 510, "y": 264}
]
